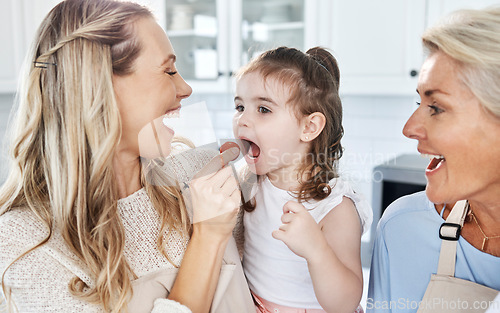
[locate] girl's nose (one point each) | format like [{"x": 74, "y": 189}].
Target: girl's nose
[
  {"x": 243, "y": 119},
  {"x": 414, "y": 127}
]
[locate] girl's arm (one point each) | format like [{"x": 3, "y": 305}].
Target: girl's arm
[
  {"x": 335, "y": 267},
  {"x": 332, "y": 251}
]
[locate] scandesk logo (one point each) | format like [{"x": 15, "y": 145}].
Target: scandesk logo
[{"x": 434, "y": 304}]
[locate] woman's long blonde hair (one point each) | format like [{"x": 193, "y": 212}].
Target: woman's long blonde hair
[{"x": 65, "y": 133}]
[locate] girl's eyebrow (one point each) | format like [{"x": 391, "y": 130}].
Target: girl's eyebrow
[{"x": 265, "y": 99}]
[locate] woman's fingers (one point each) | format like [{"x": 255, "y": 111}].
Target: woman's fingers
[
  {"x": 286, "y": 218},
  {"x": 229, "y": 186},
  {"x": 218, "y": 162}
]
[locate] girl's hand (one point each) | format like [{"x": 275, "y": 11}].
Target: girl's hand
[
  {"x": 299, "y": 231},
  {"x": 215, "y": 196}
]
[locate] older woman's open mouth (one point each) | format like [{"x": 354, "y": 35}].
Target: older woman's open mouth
[{"x": 436, "y": 162}]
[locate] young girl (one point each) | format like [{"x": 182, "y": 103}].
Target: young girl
[{"x": 303, "y": 225}]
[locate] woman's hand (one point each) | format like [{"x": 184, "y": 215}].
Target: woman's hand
[
  {"x": 215, "y": 200},
  {"x": 299, "y": 231},
  {"x": 216, "y": 197}
]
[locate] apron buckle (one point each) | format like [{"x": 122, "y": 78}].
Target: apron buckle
[{"x": 450, "y": 231}]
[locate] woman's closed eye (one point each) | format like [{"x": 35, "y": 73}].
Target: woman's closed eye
[
  {"x": 171, "y": 73},
  {"x": 433, "y": 108}
]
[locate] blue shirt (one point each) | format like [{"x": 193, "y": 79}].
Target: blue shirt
[{"x": 406, "y": 253}]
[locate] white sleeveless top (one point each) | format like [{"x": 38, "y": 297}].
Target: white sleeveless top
[{"x": 273, "y": 271}]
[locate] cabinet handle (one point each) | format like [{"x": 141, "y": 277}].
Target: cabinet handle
[
  {"x": 230, "y": 73},
  {"x": 413, "y": 73}
]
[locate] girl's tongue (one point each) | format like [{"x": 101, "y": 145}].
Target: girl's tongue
[{"x": 254, "y": 150}]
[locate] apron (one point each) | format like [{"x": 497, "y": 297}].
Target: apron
[{"x": 446, "y": 293}]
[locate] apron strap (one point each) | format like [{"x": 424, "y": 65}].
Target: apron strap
[{"x": 449, "y": 232}]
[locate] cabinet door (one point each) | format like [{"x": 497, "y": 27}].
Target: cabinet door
[
  {"x": 260, "y": 25},
  {"x": 440, "y": 8},
  {"x": 268, "y": 24},
  {"x": 377, "y": 44},
  {"x": 214, "y": 38},
  {"x": 199, "y": 34}
]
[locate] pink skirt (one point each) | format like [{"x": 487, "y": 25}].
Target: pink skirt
[{"x": 264, "y": 306}]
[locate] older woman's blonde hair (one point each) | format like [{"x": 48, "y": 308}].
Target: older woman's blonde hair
[
  {"x": 66, "y": 129},
  {"x": 472, "y": 37}
]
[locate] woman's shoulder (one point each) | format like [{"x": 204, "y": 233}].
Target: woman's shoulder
[
  {"x": 20, "y": 230},
  {"x": 184, "y": 165},
  {"x": 413, "y": 205},
  {"x": 196, "y": 154},
  {"x": 21, "y": 225}
]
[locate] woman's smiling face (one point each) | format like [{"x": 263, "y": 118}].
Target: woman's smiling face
[
  {"x": 461, "y": 136},
  {"x": 154, "y": 89}
]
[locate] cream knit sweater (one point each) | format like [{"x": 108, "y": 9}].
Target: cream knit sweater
[{"x": 38, "y": 282}]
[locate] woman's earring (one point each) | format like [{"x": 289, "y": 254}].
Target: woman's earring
[{"x": 307, "y": 138}]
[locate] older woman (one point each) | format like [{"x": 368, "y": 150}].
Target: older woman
[
  {"x": 82, "y": 228},
  {"x": 457, "y": 125}
]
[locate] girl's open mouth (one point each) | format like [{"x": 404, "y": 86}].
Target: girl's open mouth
[{"x": 251, "y": 150}]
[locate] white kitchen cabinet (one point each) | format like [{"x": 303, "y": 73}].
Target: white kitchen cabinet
[
  {"x": 439, "y": 8},
  {"x": 214, "y": 38},
  {"x": 377, "y": 45}
]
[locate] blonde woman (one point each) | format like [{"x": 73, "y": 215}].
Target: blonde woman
[
  {"x": 457, "y": 125},
  {"x": 82, "y": 229}
]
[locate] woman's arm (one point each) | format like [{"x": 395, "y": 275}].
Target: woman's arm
[
  {"x": 199, "y": 272},
  {"x": 332, "y": 251},
  {"x": 215, "y": 200},
  {"x": 379, "y": 288}
]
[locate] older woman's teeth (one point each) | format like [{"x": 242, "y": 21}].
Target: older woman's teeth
[
  {"x": 435, "y": 163},
  {"x": 432, "y": 156}
]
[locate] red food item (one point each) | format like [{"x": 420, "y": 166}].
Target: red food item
[{"x": 228, "y": 145}]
